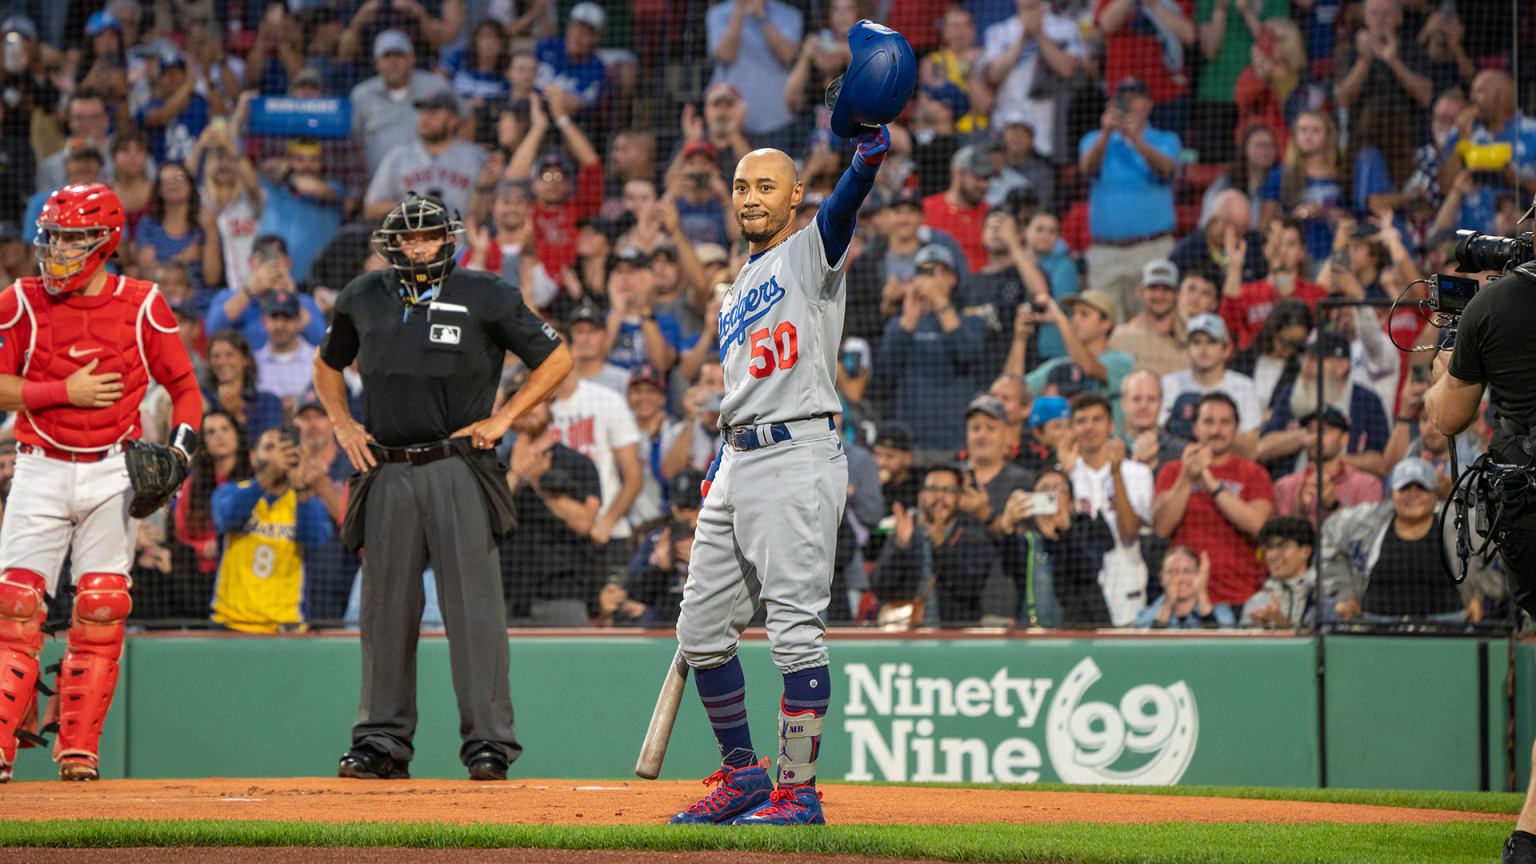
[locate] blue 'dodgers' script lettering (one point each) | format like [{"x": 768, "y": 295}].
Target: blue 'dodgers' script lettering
[{"x": 745, "y": 312}]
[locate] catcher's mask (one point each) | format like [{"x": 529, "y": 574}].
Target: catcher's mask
[{"x": 403, "y": 239}]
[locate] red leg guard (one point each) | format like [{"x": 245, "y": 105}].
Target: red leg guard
[
  {"x": 88, "y": 673},
  {"x": 21, "y": 639}
]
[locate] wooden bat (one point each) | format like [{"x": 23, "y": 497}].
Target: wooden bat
[{"x": 654, "y": 748}]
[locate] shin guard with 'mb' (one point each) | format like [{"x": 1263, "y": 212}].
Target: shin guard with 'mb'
[{"x": 799, "y": 744}]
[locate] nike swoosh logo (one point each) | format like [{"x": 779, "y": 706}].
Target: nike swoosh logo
[{"x": 77, "y": 353}]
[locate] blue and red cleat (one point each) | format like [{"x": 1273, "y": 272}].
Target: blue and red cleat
[
  {"x": 741, "y": 790},
  {"x": 788, "y": 805}
]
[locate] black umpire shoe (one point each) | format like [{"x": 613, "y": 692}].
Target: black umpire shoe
[
  {"x": 366, "y": 763},
  {"x": 1520, "y": 848},
  {"x": 487, "y": 765}
]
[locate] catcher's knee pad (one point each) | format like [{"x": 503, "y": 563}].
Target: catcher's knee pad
[
  {"x": 22, "y": 611},
  {"x": 88, "y": 672}
]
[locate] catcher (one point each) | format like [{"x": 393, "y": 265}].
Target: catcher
[{"x": 78, "y": 346}]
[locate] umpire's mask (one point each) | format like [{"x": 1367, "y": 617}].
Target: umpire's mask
[{"x": 405, "y": 240}]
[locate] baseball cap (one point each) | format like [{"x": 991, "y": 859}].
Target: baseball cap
[
  {"x": 1209, "y": 324},
  {"x": 1414, "y": 470},
  {"x": 281, "y": 303},
  {"x": 721, "y": 90},
  {"x": 308, "y": 400},
  {"x": 711, "y": 253},
  {"x": 1160, "y": 271},
  {"x": 589, "y": 312},
  {"x": 10, "y": 229},
  {"x": 979, "y": 162},
  {"x": 1333, "y": 344},
  {"x": 1068, "y": 378},
  {"x": 443, "y": 100},
  {"x": 631, "y": 256},
  {"x": 1013, "y": 117},
  {"x": 184, "y": 308},
  {"x": 666, "y": 250},
  {"x": 704, "y": 147},
  {"x": 552, "y": 159},
  {"x": 102, "y": 21},
  {"x": 310, "y": 77},
  {"x": 590, "y": 14},
  {"x": 1099, "y": 300},
  {"x": 20, "y": 24},
  {"x": 171, "y": 58},
  {"x": 1332, "y": 416},
  {"x": 392, "y": 42},
  {"x": 895, "y": 435},
  {"x": 76, "y": 148},
  {"x": 988, "y": 405},
  {"x": 645, "y": 373},
  {"x": 1181, "y": 415},
  {"x": 685, "y": 489},
  {"x": 907, "y": 197},
  {"x": 878, "y": 199},
  {"x": 1131, "y": 84},
  {"x": 1048, "y": 408},
  {"x": 952, "y": 97},
  {"x": 934, "y": 253}
]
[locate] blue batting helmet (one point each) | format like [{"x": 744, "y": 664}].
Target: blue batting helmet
[{"x": 882, "y": 73}]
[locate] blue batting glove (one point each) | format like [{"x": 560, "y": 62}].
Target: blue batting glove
[{"x": 872, "y": 146}]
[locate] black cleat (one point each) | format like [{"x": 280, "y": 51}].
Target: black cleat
[
  {"x": 487, "y": 765},
  {"x": 365, "y": 763},
  {"x": 1519, "y": 848}
]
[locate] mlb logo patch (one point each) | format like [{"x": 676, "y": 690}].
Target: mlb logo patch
[{"x": 444, "y": 334}]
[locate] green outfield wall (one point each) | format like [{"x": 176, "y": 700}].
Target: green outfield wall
[{"x": 1345, "y": 711}]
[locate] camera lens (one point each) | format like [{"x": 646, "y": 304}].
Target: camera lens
[{"x": 1476, "y": 252}]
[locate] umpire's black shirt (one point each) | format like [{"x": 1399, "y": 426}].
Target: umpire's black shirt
[{"x": 431, "y": 369}]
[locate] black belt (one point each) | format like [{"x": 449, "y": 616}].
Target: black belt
[
  {"x": 419, "y": 454},
  {"x": 746, "y": 437}
]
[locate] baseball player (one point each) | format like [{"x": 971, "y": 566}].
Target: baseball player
[
  {"x": 78, "y": 346},
  {"x": 775, "y": 493}
]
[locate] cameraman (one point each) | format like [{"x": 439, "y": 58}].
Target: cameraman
[{"x": 1493, "y": 350}]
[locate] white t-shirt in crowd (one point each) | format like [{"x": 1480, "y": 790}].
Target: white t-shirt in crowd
[
  {"x": 1124, "y": 574},
  {"x": 1250, "y": 414},
  {"x": 595, "y": 421}
]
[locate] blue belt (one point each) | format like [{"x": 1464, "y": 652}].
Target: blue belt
[{"x": 746, "y": 437}]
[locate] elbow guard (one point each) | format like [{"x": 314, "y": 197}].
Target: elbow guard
[{"x": 184, "y": 441}]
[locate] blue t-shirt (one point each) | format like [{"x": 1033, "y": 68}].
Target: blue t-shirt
[
  {"x": 472, "y": 84},
  {"x": 305, "y": 224},
  {"x": 249, "y": 323},
  {"x": 629, "y": 344},
  {"x": 152, "y": 234},
  {"x": 756, "y": 72},
  {"x": 1477, "y": 209},
  {"x": 173, "y": 142},
  {"x": 1318, "y": 231},
  {"x": 1128, "y": 199},
  {"x": 1061, "y": 271},
  {"x": 702, "y": 223},
  {"x": 585, "y": 79}
]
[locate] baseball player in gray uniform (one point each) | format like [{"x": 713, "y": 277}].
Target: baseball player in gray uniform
[{"x": 775, "y": 493}]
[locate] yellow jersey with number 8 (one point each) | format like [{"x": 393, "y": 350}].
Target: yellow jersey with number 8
[{"x": 260, "y": 588}]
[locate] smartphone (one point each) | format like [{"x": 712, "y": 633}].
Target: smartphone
[
  {"x": 288, "y": 434},
  {"x": 1043, "y": 503},
  {"x": 699, "y": 179},
  {"x": 1419, "y": 374},
  {"x": 1123, "y": 101}
]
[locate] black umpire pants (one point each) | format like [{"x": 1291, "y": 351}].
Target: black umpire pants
[
  {"x": 1518, "y": 549},
  {"x": 413, "y": 514}
]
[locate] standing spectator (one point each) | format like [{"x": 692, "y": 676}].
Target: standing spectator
[
  {"x": 1272, "y": 360},
  {"x": 1383, "y": 70},
  {"x": 178, "y": 228},
  {"x": 557, "y": 206},
  {"x": 1368, "y": 429},
  {"x": 822, "y": 58},
  {"x": 240, "y": 308},
  {"x": 130, "y": 177},
  {"x": 1118, "y": 490},
  {"x": 1023, "y": 168},
  {"x": 1493, "y": 117},
  {"x": 267, "y": 523},
  {"x": 1198, "y": 294},
  {"x": 511, "y": 205},
  {"x": 285, "y": 364},
  {"x": 82, "y": 165},
  {"x": 951, "y": 556},
  {"x": 478, "y": 71},
  {"x": 880, "y": 275},
  {"x": 384, "y": 106},
  {"x": 571, "y": 64},
  {"x": 88, "y": 119},
  {"x": 1130, "y": 207},
  {"x": 1042, "y": 242},
  {"x": 232, "y": 191},
  {"x": 1156, "y": 336},
  {"x": 225, "y": 457},
  {"x": 1147, "y": 39},
  {"x": 588, "y": 338},
  {"x": 303, "y": 204},
  {"x": 961, "y": 210},
  {"x": 231, "y": 384},
  {"x": 631, "y": 157},
  {"x": 1027, "y": 60},
  {"x": 1227, "y": 31},
  {"x": 753, "y": 44},
  {"x": 1257, "y": 154},
  {"x": 175, "y": 117},
  {"x": 1307, "y": 186},
  {"x": 956, "y": 61},
  {"x": 1385, "y": 562},
  {"x": 724, "y": 125},
  {"x": 437, "y": 163},
  {"x": 932, "y": 354},
  {"x": 1215, "y": 502},
  {"x": 1086, "y": 334},
  {"x": 990, "y": 478},
  {"x": 1185, "y": 603},
  {"x": 596, "y": 422},
  {"x": 1246, "y": 306},
  {"x": 1274, "y": 88},
  {"x": 330, "y": 566},
  {"x": 1380, "y": 158},
  {"x": 994, "y": 292},
  {"x": 1204, "y": 251},
  {"x": 32, "y": 92},
  {"x": 1424, "y": 184},
  {"x": 638, "y": 334},
  {"x": 1343, "y": 485},
  {"x": 1210, "y": 348},
  {"x": 658, "y": 432},
  {"x": 1285, "y": 599},
  {"x": 699, "y": 193},
  {"x": 1141, "y": 400}
]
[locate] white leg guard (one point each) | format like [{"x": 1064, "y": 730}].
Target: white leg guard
[{"x": 799, "y": 744}]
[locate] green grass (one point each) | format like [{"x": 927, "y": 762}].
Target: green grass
[{"x": 1072, "y": 843}]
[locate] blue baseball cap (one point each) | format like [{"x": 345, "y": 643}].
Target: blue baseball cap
[
  {"x": 101, "y": 22},
  {"x": 1047, "y": 408}
]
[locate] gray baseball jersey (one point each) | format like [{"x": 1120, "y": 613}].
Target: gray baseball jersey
[
  {"x": 450, "y": 175},
  {"x": 780, "y": 326}
]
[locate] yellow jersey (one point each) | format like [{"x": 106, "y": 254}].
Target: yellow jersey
[{"x": 260, "y": 588}]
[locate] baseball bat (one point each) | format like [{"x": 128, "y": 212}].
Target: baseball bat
[{"x": 654, "y": 748}]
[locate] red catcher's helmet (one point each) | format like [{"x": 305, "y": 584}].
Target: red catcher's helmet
[{"x": 78, "y": 231}]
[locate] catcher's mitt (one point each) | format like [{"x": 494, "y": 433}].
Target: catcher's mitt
[{"x": 156, "y": 472}]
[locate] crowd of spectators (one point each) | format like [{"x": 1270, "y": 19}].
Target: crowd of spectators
[{"x": 1087, "y": 379}]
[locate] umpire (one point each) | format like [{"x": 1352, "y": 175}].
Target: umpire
[{"x": 429, "y": 342}]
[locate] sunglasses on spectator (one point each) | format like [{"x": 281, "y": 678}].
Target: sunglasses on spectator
[
  {"x": 552, "y": 176},
  {"x": 945, "y": 490},
  {"x": 928, "y": 270}
]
